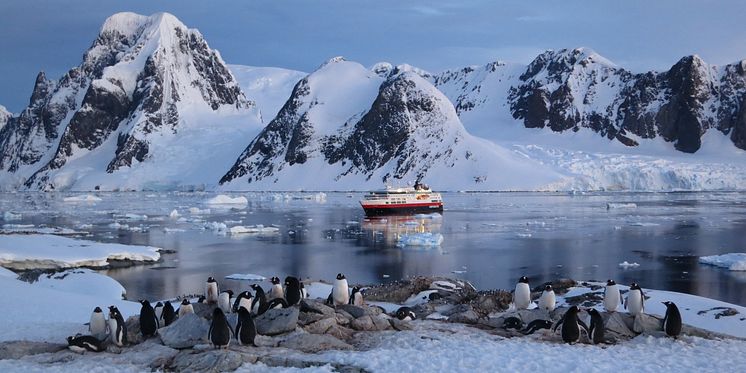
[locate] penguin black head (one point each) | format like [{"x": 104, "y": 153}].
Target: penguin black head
[
  {"x": 97, "y": 310},
  {"x": 404, "y": 312},
  {"x": 592, "y": 312},
  {"x": 144, "y": 302},
  {"x": 573, "y": 309},
  {"x": 245, "y": 294},
  {"x": 548, "y": 288},
  {"x": 523, "y": 279},
  {"x": 634, "y": 286},
  {"x": 185, "y": 302},
  {"x": 355, "y": 289},
  {"x": 292, "y": 281},
  {"x": 159, "y": 304},
  {"x": 668, "y": 303},
  {"x": 230, "y": 292},
  {"x": 610, "y": 283},
  {"x": 211, "y": 279},
  {"x": 201, "y": 299},
  {"x": 340, "y": 276},
  {"x": 275, "y": 280}
]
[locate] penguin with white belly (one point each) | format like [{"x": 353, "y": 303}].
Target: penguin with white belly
[
  {"x": 185, "y": 308},
  {"x": 522, "y": 294},
  {"x": 356, "y": 298},
  {"x": 117, "y": 327},
  {"x": 211, "y": 291},
  {"x": 158, "y": 310},
  {"x": 243, "y": 299},
  {"x": 340, "y": 291},
  {"x": 571, "y": 325},
  {"x": 276, "y": 290},
  {"x": 83, "y": 343},
  {"x": 547, "y": 300},
  {"x": 97, "y": 326},
  {"x": 612, "y": 296},
  {"x": 224, "y": 301},
  {"x": 635, "y": 303}
]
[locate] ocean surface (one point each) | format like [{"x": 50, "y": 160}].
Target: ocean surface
[{"x": 489, "y": 239}]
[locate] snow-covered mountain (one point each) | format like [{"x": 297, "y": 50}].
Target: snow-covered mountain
[
  {"x": 347, "y": 127},
  {"x": 5, "y": 116},
  {"x": 268, "y": 87},
  {"x": 151, "y": 104}
]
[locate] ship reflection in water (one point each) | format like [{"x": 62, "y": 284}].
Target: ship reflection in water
[{"x": 407, "y": 232}]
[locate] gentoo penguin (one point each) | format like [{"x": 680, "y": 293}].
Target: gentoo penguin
[
  {"x": 211, "y": 291},
  {"x": 522, "y": 294},
  {"x": 276, "y": 303},
  {"x": 303, "y": 291},
  {"x": 340, "y": 290},
  {"x": 276, "y": 290},
  {"x": 512, "y": 322},
  {"x": 245, "y": 328},
  {"x": 536, "y": 325},
  {"x": 243, "y": 299},
  {"x": 405, "y": 314},
  {"x": 672, "y": 320},
  {"x": 571, "y": 325},
  {"x": 356, "y": 298},
  {"x": 635, "y": 300},
  {"x": 596, "y": 329},
  {"x": 97, "y": 325},
  {"x": 292, "y": 290},
  {"x": 168, "y": 315},
  {"x": 547, "y": 299},
  {"x": 158, "y": 311},
  {"x": 117, "y": 327},
  {"x": 259, "y": 304},
  {"x": 148, "y": 321},
  {"x": 612, "y": 296},
  {"x": 83, "y": 343},
  {"x": 220, "y": 331},
  {"x": 224, "y": 301},
  {"x": 185, "y": 308}
]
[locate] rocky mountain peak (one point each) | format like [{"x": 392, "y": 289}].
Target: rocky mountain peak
[{"x": 5, "y": 115}]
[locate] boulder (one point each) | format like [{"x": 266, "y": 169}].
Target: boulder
[
  {"x": 341, "y": 332},
  {"x": 313, "y": 343},
  {"x": 343, "y": 317},
  {"x": 616, "y": 323},
  {"x": 208, "y": 361},
  {"x": 321, "y": 326},
  {"x": 648, "y": 324},
  {"x": 355, "y": 311},
  {"x": 19, "y": 349},
  {"x": 370, "y": 323},
  {"x": 315, "y": 306},
  {"x": 185, "y": 332},
  {"x": 465, "y": 317},
  {"x": 133, "y": 330},
  {"x": 204, "y": 310},
  {"x": 277, "y": 321},
  {"x": 400, "y": 325},
  {"x": 305, "y": 318}
]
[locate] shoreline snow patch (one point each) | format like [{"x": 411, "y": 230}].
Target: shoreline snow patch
[{"x": 731, "y": 261}]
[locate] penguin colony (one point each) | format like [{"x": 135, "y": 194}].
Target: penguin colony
[{"x": 248, "y": 306}]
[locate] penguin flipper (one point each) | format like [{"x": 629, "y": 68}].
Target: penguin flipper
[
  {"x": 329, "y": 300},
  {"x": 585, "y": 327},
  {"x": 621, "y": 300},
  {"x": 558, "y": 324}
]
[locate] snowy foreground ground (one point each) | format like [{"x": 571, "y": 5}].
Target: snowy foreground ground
[{"x": 57, "y": 306}]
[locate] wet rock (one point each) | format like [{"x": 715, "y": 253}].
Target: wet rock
[
  {"x": 321, "y": 326},
  {"x": 400, "y": 325},
  {"x": 315, "y": 306},
  {"x": 185, "y": 332},
  {"x": 18, "y": 349},
  {"x": 370, "y": 323},
  {"x": 341, "y": 332},
  {"x": 644, "y": 323},
  {"x": 355, "y": 311},
  {"x": 343, "y": 318},
  {"x": 305, "y": 318},
  {"x": 313, "y": 343},
  {"x": 204, "y": 310},
  {"x": 466, "y": 317},
  {"x": 618, "y": 324},
  {"x": 277, "y": 321},
  {"x": 150, "y": 353},
  {"x": 208, "y": 361}
]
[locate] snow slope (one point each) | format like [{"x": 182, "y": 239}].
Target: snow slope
[{"x": 268, "y": 87}]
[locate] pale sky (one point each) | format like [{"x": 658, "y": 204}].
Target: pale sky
[{"x": 434, "y": 35}]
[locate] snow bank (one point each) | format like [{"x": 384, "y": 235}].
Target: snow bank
[
  {"x": 49, "y": 251},
  {"x": 246, "y": 277},
  {"x": 83, "y": 198},
  {"x": 732, "y": 261},
  {"x": 426, "y": 239},
  {"x": 223, "y": 199}
]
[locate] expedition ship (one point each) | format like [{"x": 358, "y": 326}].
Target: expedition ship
[{"x": 402, "y": 201}]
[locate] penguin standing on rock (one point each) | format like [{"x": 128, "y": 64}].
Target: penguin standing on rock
[
  {"x": 224, "y": 301},
  {"x": 276, "y": 290},
  {"x": 596, "y": 329},
  {"x": 148, "y": 321},
  {"x": 522, "y": 294},
  {"x": 405, "y": 314},
  {"x": 672, "y": 320},
  {"x": 245, "y": 328},
  {"x": 117, "y": 327},
  {"x": 259, "y": 305},
  {"x": 220, "y": 332},
  {"x": 612, "y": 296},
  {"x": 211, "y": 291},
  {"x": 547, "y": 299},
  {"x": 293, "y": 293},
  {"x": 635, "y": 300},
  {"x": 243, "y": 299},
  {"x": 168, "y": 315},
  {"x": 97, "y": 325},
  {"x": 340, "y": 291},
  {"x": 356, "y": 298},
  {"x": 158, "y": 310},
  {"x": 185, "y": 308},
  {"x": 571, "y": 325},
  {"x": 83, "y": 343}
]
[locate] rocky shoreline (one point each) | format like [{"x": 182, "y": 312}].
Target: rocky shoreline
[{"x": 291, "y": 337}]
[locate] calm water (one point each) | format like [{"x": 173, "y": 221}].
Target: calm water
[{"x": 490, "y": 239}]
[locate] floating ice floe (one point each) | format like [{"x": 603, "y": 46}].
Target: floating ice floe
[
  {"x": 426, "y": 239},
  {"x": 246, "y": 277},
  {"x": 24, "y": 252},
  {"x": 198, "y": 211},
  {"x": 614, "y": 206},
  {"x": 643, "y": 224},
  {"x": 625, "y": 264},
  {"x": 731, "y": 261},
  {"x": 173, "y": 230},
  {"x": 83, "y": 198},
  {"x": 253, "y": 229},
  {"x": 174, "y": 214},
  {"x": 130, "y": 216},
  {"x": 216, "y": 227},
  {"x": 223, "y": 199},
  {"x": 9, "y": 215},
  {"x": 432, "y": 216},
  {"x": 32, "y": 229}
]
